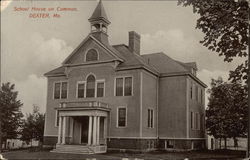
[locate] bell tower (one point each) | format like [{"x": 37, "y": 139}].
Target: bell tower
[{"x": 99, "y": 23}]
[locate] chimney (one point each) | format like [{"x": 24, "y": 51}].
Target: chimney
[{"x": 134, "y": 42}]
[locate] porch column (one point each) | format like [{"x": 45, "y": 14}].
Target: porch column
[
  {"x": 98, "y": 131},
  {"x": 90, "y": 130},
  {"x": 94, "y": 131},
  {"x": 71, "y": 134},
  {"x": 105, "y": 130},
  {"x": 64, "y": 130},
  {"x": 59, "y": 130}
]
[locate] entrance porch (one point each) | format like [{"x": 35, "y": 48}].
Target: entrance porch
[{"x": 82, "y": 129}]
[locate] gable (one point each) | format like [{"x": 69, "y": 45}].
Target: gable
[{"x": 78, "y": 56}]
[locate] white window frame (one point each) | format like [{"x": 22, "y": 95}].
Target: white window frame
[
  {"x": 198, "y": 121},
  {"x": 117, "y": 115},
  {"x": 85, "y": 87},
  {"x": 60, "y": 89},
  {"x": 123, "y": 85},
  {"x": 100, "y": 81},
  {"x": 149, "y": 116},
  {"x": 192, "y": 119},
  {"x": 85, "y": 55},
  {"x": 191, "y": 90},
  {"x": 81, "y": 82},
  {"x": 201, "y": 96}
]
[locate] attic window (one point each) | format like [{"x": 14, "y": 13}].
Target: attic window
[{"x": 92, "y": 55}]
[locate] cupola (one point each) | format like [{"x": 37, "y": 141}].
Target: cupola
[{"x": 99, "y": 23}]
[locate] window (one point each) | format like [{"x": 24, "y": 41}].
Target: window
[
  {"x": 119, "y": 87},
  {"x": 169, "y": 144},
  {"x": 201, "y": 96},
  {"x": 57, "y": 90},
  {"x": 90, "y": 86},
  {"x": 150, "y": 118},
  {"x": 60, "y": 90},
  {"x": 196, "y": 92},
  {"x": 195, "y": 121},
  {"x": 191, "y": 91},
  {"x": 100, "y": 89},
  {"x": 128, "y": 86},
  {"x": 192, "y": 120},
  {"x": 91, "y": 55},
  {"x": 123, "y": 86},
  {"x": 64, "y": 90},
  {"x": 122, "y": 112},
  {"x": 80, "y": 90}
]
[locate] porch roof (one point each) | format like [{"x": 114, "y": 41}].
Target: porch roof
[
  {"x": 82, "y": 108},
  {"x": 83, "y": 105}
]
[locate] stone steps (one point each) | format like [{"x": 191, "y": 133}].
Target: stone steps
[{"x": 75, "y": 149}]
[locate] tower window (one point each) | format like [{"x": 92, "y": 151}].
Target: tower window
[{"x": 91, "y": 55}]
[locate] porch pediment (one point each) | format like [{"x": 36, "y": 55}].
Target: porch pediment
[{"x": 83, "y": 108}]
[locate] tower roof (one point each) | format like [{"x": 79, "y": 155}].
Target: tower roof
[{"x": 99, "y": 14}]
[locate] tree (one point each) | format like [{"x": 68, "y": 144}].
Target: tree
[
  {"x": 225, "y": 24},
  {"x": 33, "y": 126},
  {"x": 226, "y": 115},
  {"x": 10, "y": 113}
]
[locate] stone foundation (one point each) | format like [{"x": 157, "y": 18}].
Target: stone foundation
[
  {"x": 182, "y": 144},
  {"x": 132, "y": 144},
  {"x": 144, "y": 145},
  {"x": 49, "y": 140}
]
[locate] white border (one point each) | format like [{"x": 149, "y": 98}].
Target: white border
[
  {"x": 61, "y": 81},
  {"x": 81, "y": 82},
  {"x": 100, "y": 81},
  {"x": 123, "y": 85},
  {"x": 88, "y": 51},
  {"x": 117, "y": 117}
]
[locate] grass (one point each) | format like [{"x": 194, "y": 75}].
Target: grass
[{"x": 157, "y": 155}]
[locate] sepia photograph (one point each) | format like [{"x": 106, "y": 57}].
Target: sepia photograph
[{"x": 124, "y": 79}]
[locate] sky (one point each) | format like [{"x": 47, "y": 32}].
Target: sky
[{"x": 31, "y": 47}]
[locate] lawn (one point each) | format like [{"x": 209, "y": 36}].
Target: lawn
[{"x": 204, "y": 155}]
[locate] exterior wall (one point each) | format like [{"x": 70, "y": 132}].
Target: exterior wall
[
  {"x": 106, "y": 72},
  {"x": 196, "y": 106},
  {"x": 50, "y": 129},
  {"x": 149, "y": 101},
  {"x": 172, "y": 107}
]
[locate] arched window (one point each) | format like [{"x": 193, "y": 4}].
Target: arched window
[
  {"x": 92, "y": 55},
  {"x": 90, "y": 86}
]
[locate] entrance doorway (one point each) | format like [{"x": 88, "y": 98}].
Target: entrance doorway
[{"x": 84, "y": 129}]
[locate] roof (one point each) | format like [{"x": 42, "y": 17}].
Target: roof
[
  {"x": 99, "y": 13},
  {"x": 163, "y": 63},
  {"x": 132, "y": 59},
  {"x": 188, "y": 65},
  {"x": 57, "y": 71}
]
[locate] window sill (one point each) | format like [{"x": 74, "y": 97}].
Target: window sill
[{"x": 121, "y": 127}]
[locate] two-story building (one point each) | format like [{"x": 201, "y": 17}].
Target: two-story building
[{"x": 107, "y": 96}]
